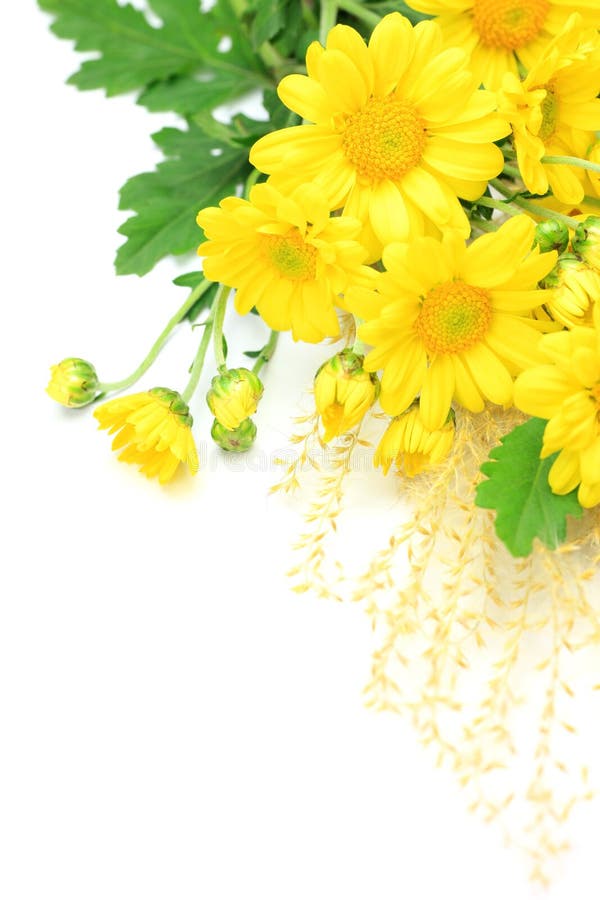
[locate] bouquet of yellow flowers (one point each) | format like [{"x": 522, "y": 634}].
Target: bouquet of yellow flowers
[{"x": 424, "y": 190}]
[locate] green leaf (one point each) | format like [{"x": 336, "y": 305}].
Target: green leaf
[
  {"x": 189, "y": 280},
  {"x": 199, "y": 92},
  {"x": 134, "y": 54},
  {"x": 517, "y": 488},
  {"x": 253, "y": 354},
  {"x": 199, "y": 171},
  {"x": 269, "y": 20}
]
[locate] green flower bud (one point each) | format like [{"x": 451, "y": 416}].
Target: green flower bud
[
  {"x": 73, "y": 382},
  {"x": 234, "y": 396},
  {"x": 175, "y": 402},
  {"x": 551, "y": 235},
  {"x": 234, "y": 441},
  {"x": 586, "y": 241},
  {"x": 344, "y": 392}
]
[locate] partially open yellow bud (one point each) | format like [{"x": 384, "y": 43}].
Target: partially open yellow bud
[
  {"x": 575, "y": 287},
  {"x": 73, "y": 382},
  {"x": 344, "y": 392},
  {"x": 411, "y": 446},
  {"x": 234, "y": 396}
]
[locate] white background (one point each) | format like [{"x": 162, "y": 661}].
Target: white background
[{"x": 176, "y": 722}]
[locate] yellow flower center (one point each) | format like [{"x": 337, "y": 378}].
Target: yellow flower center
[
  {"x": 454, "y": 316},
  {"x": 549, "y": 109},
  {"x": 509, "y": 24},
  {"x": 385, "y": 139},
  {"x": 290, "y": 255}
]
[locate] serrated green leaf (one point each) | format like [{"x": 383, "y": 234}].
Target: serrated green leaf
[
  {"x": 269, "y": 20},
  {"x": 199, "y": 171},
  {"x": 517, "y": 488},
  {"x": 134, "y": 54},
  {"x": 198, "y": 92}
]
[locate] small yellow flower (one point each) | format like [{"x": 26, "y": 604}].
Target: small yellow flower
[
  {"x": 555, "y": 110},
  {"x": 566, "y": 391},
  {"x": 500, "y": 34},
  {"x": 575, "y": 288},
  {"x": 73, "y": 382},
  {"x": 285, "y": 256},
  {"x": 451, "y": 322},
  {"x": 233, "y": 396},
  {"x": 154, "y": 428},
  {"x": 344, "y": 392},
  {"x": 412, "y": 446}
]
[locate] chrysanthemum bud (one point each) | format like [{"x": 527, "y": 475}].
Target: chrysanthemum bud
[
  {"x": 233, "y": 396},
  {"x": 237, "y": 440},
  {"x": 586, "y": 241},
  {"x": 551, "y": 235},
  {"x": 412, "y": 446},
  {"x": 344, "y": 392},
  {"x": 73, "y": 382},
  {"x": 574, "y": 288}
]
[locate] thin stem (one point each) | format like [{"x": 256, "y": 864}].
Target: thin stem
[
  {"x": 266, "y": 353},
  {"x": 501, "y": 205},
  {"x": 198, "y": 363},
  {"x": 159, "y": 343},
  {"x": 544, "y": 213},
  {"x": 250, "y": 182},
  {"x": 327, "y": 19},
  {"x": 528, "y": 206},
  {"x": 357, "y": 9},
  {"x": 571, "y": 161},
  {"x": 483, "y": 225},
  {"x": 513, "y": 171},
  {"x": 220, "y": 306}
]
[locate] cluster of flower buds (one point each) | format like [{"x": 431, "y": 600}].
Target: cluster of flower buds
[
  {"x": 574, "y": 282},
  {"x": 233, "y": 397}
]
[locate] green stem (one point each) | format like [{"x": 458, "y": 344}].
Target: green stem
[
  {"x": 528, "y": 206},
  {"x": 250, "y": 182},
  {"x": 513, "y": 171},
  {"x": 266, "y": 353},
  {"x": 159, "y": 343},
  {"x": 571, "y": 161},
  {"x": 501, "y": 205},
  {"x": 198, "y": 363},
  {"x": 355, "y": 8},
  {"x": 483, "y": 225},
  {"x": 327, "y": 19},
  {"x": 220, "y": 306}
]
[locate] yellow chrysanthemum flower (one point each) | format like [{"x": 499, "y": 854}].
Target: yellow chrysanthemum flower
[
  {"x": 575, "y": 289},
  {"x": 400, "y": 131},
  {"x": 454, "y": 322},
  {"x": 285, "y": 256},
  {"x": 344, "y": 393},
  {"x": 412, "y": 446},
  {"x": 567, "y": 392},
  {"x": 554, "y": 111},
  {"x": 154, "y": 428},
  {"x": 500, "y": 34}
]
